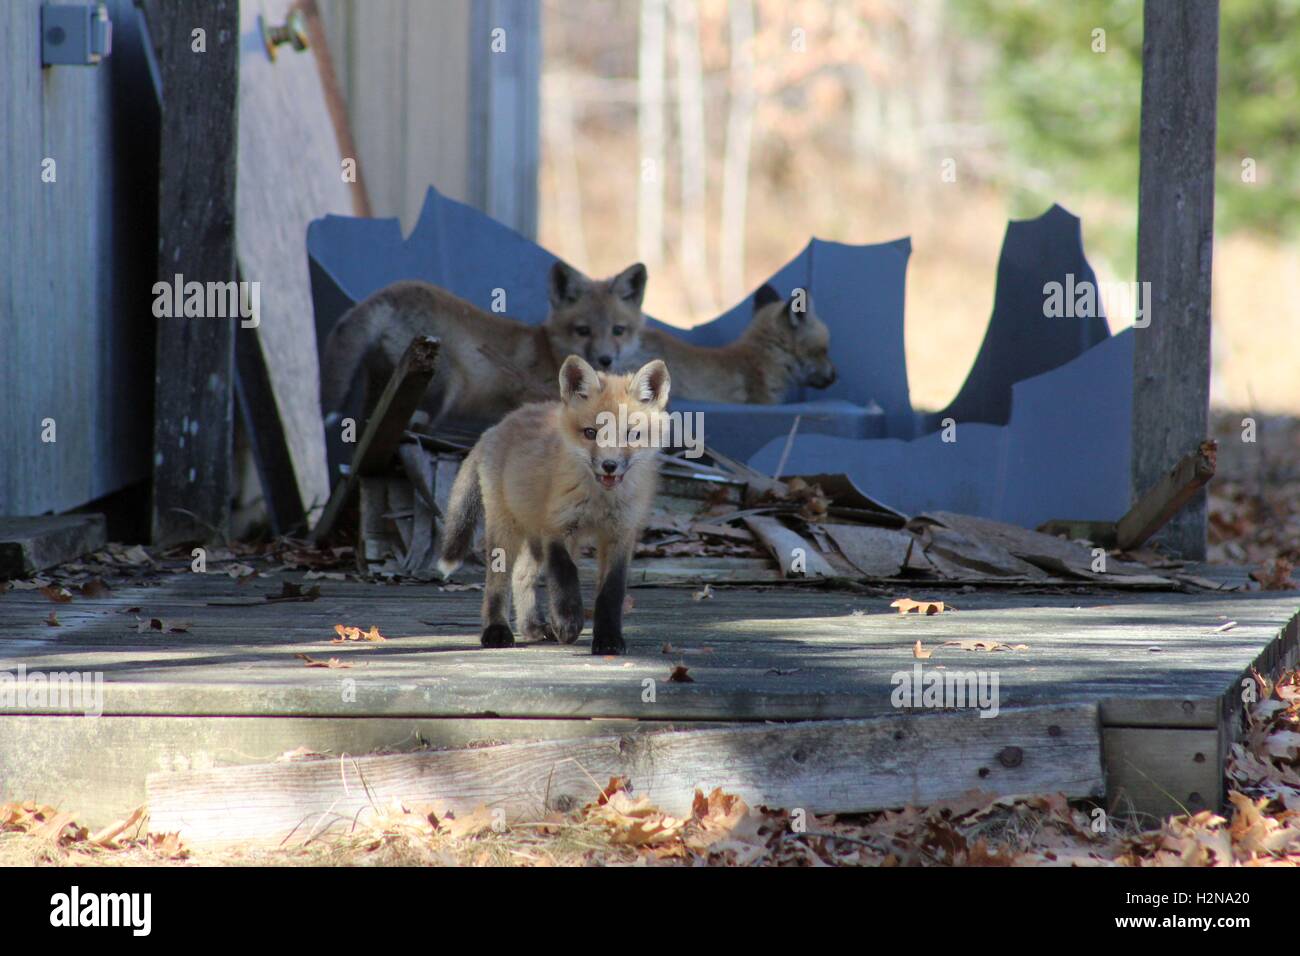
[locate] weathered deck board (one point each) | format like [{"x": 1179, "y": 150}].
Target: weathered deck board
[
  {"x": 820, "y": 767},
  {"x": 777, "y": 654}
]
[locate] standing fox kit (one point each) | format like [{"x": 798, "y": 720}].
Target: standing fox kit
[
  {"x": 597, "y": 319},
  {"x": 785, "y": 344},
  {"x": 549, "y": 477}
]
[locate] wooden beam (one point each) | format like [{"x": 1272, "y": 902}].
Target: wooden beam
[
  {"x": 271, "y": 453},
  {"x": 820, "y": 766},
  {"x": 1162, "y": 502},
  {"x": 1171, "y": 362},
  {"x": 28, "y": 545},
  {"x": 194, "y": 375},
  {"x": 386, "y": 425}
]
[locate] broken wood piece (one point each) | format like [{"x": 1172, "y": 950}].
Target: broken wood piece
[
  {"x": 962, "y": 554},
  {"x": 385, "y": 426},
  {"x": 28, "y": 545},
  {"x": 1167, "y": 497},
  {"x": 875, "y": 552},
  {"x": 1044, "y": 551},
  {"x": 796, "y": 555},
  {"x": 816, "y": 765}
]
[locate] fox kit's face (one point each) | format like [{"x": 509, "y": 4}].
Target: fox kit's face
[
  {"x": 802, "y": 335},
  {"x": 613, "y": 424},
  {"x": 599, "y": 320}
]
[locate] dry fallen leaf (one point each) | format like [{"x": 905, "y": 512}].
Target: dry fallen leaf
[
  {"x": 920, "y": 652},
  {"x": 58, "y": 595},
  {"x": 680, "y": 676},
  {"x": 479, "y": 820},
  {"x": 94, "y": 588},
  {"x": 53, "y": 620},
  {"x": 906, "y": 605},
  {"x": 346, "y": 634},
  {"x": 705, "y": 594},
  {"x": 332, "y": 663}
]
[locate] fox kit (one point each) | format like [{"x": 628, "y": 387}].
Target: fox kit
[
  {"x": 784, "y": 344},
  {"x": 549, "y": 477},
  {"x": 597, "y": 319}
]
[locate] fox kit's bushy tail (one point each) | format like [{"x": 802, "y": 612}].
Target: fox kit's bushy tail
[
  {"x": 463, "y": 511},
  {"x": 345, "y": 349}
]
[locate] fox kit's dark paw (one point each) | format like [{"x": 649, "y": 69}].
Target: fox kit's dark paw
[
  {"x": 497, "y": 635},
  {"x": 567, "y": 621},
  {"x": 607, "y": 642}
]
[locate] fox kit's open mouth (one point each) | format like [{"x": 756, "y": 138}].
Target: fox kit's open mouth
[{"x": 609, "y": 481}]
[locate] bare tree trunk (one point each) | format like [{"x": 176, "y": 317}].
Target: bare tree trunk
[
  {"x": 650, "y": 130},
  {"x": 735, "y": 169},
  {"x": 693, "y": 249},
  {"x": 560, "y": 137}
]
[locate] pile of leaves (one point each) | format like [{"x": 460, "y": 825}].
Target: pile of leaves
[{"x": 1254, "y": 501}]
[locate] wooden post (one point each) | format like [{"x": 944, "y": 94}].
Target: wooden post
[
  {"x": 1171, "y": 363},
  {"x": 193, "y": 407}
]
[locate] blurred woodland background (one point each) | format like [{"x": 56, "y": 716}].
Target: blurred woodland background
[{"x": 712, "y": 138}]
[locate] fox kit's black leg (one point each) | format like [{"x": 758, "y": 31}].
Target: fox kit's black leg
[
  {"x": 496, "y": 592},
  {"x": 607, "y": 620},
  {"x": 565, "y": 593}
]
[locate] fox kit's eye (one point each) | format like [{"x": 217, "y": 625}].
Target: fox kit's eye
[
  {"x": 589, "y": 434},
  {"x": 583, "y": 330},
  {"x": 618, "y": 330}
]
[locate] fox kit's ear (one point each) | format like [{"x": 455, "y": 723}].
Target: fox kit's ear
[
  {"x": 797, "y": 308},
  {"x": 629, "y": 285},
  {"x": 567, "y": 284},
  {"x": 577, "y": 379},
  {"x": 651, "y": 384},
  {"x": 765, "y": 295}
]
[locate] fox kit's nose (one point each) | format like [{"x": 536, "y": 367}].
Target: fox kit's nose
[
  {"x": 605, "y": 360},
  {"x": 609, "y": 465}
]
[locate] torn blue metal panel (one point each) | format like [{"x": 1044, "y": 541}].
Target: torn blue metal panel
[
  {"x": 1021, "y": 341},
  {"x": 1043, "y": 418},
  {"x": 1063, "y": 454}
]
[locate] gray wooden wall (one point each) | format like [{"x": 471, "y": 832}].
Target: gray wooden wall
[
  {"x": 76, "y": 263},
  {"x": 429, "y": 103}
]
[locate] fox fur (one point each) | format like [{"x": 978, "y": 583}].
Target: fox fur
[
  {"x": 784, "y": 345},
  {"x": 549, "y": 477},
  {"x": 597, "y": 319}
]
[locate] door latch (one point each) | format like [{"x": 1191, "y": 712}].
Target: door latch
[{"x": 75, "y": 34}]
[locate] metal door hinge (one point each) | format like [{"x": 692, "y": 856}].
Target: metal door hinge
[{"x": 75, "y": 34}]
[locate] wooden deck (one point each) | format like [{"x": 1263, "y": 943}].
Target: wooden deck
[{"x": 1158, "y": 668}]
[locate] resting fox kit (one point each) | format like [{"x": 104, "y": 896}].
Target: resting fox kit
[
  {"x": 598, "y": 319},
  {"x": 548, "y": 477},
  {"x": 784, "y": 344}
]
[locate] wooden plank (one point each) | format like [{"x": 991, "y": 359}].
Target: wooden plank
[
  {"x": 1156, "y": 659},
  {"x": 1163, "y": 500},
  {"x": 290, "y": 173},
  {"x": 193, "y": 381},
  {"x": 45, "y": 759},
  {"x": 1044, "y": 550},
  {"x": 876, "y": 552},
  {"x": 821, "y": 767},
  {"x": 386, "y": 425},
  {"x": 797, "y": 556},
  {"x": 1171, "y": 356},
  {"x": 271, "y": 453},
  {"x": 28, "y": 545},
  {"x": 1160, "y": 772}
]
